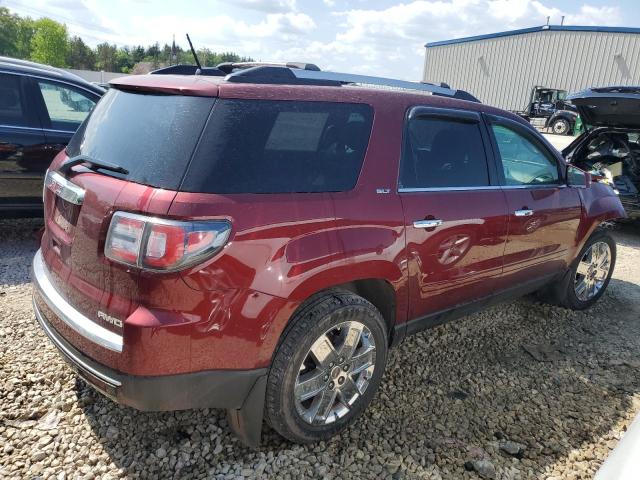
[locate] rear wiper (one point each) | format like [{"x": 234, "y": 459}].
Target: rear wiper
[{"x": 79, "y": 159}]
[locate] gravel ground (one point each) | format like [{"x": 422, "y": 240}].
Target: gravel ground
[{"x": 522, "y": 390}]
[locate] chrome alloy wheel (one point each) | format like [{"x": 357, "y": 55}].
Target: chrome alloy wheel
[
  {"x": 335, "y": 373},
  {"x": 592, "y": 271}
]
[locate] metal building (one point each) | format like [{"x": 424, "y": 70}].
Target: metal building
[{"x": 502, "y": 68}]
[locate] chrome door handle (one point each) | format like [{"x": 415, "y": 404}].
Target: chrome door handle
[
  {"x": 427, "y": 223},
  {"x": 524, "y": 213}
]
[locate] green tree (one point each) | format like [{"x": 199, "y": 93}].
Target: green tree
[
  {"x": 26, "y": 31},
  {"x": 8, "y": 32},
  {"x": 137, "y": 54},
  {"x": 106, "y": 57},
  {"x": 79, "y": 55},
  {"x": 49, "y": 43},
  {"x": 124, "y": 60}
]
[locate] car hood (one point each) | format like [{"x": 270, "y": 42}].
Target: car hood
[{"x": 609, "y": 106}]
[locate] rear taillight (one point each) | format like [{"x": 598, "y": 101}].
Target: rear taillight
[{"x": 166, "y": 245}]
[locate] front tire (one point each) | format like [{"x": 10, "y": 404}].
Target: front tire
[
  {"x": 561, "y": 127},
  {"x": 327, "y": 367},
  {"x": 589, "y": 275}
]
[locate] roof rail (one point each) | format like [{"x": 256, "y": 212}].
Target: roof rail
[
  {"x": 229, "y": 67},
  {"x": 184, "y": 69},
  {"x": 294, "y": 76}
]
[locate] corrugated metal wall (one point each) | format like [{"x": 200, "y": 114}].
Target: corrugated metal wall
[{"x": 502, "y": 71}]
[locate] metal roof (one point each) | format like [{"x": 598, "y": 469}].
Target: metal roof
[{"x": 543, "y": 28}]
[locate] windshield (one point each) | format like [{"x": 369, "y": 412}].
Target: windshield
[{"x": 151, "y": 136}]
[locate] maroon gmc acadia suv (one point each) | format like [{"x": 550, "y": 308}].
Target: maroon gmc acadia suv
[{"x": 258, "y": 241}]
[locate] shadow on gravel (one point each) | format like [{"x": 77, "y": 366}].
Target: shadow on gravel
[
  {"x": 550, "y": 379},
  {"x": 19, "y": 240},
  {"x": 627, "y": 233}
]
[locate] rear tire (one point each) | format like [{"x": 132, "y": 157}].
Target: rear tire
[
  {"x": 587, "y": 279},
  {"x": 327, "y": 368}
]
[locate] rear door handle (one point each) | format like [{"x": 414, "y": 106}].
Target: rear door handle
[
  {"x": 524, "y": 213},
  {"x": 436, "y": 222}
]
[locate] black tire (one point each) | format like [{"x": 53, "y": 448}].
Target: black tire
[
  {"x": 561, "y": 126},
  {"x": 563, "y": 293},
  {"x": 310, "y": 323}
]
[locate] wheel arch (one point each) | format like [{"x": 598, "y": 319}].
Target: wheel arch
[
  {"x": 567, "y": 115},
  {"x": 599, "y": 205},
  {"x": 378, "y": 291}
]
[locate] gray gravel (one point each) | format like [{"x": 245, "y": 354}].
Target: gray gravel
[{"x": 523, "y": 390}]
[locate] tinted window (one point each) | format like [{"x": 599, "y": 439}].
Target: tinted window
[
  {"x": 264, "y": 146},
  {"x": 152, "y": 136},
  {"x": 442, "y": 153},
  {"x": 12, "y": 111},
  {"x": 523, "y": 161},
  {"x": 67, "y": 107}
]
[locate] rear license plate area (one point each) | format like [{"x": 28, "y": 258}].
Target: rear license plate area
[{"x": 65, "y": 214}]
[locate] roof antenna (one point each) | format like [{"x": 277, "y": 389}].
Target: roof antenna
[{"x": 195, "y": 57}]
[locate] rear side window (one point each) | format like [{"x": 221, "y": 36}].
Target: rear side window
[
  {"x": 12, "y": 111},
  {"x": 152, "y": 136},
  {"x": 265, "y": 146},
  {"x": 443, "y": 153},
  {"x": 67, "y": 107}
]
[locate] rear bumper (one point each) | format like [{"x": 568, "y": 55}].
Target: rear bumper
[{"x": 204, "y": 389}]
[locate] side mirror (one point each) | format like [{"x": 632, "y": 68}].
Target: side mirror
[{"x": 577, "y": 177}]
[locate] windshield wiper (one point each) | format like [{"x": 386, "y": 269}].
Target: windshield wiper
[{"x": 79, "y": 159}]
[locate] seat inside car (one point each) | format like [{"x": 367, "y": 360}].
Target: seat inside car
[{"x": 446, "y": 160}]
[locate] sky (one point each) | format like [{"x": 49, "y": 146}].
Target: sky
[{"x": 375, "y": 37}]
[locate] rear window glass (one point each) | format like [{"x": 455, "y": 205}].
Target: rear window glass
[
  {"x": 152, "y": 136},
  {"x": 265, "y": 146}
]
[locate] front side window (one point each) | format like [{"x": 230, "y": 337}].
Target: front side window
[
  {"x": 441, "y": 153},
  {"x": 523, "y": 161},
  {"x": 66, "y": 106},
  {"x": 12, "y": 111},
  {"x": 273, "y": 146}
]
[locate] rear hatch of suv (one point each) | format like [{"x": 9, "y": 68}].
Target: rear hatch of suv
[{"x": 149, "y": 136}]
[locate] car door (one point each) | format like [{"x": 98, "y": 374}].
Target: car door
[
  {"x": 544, "y": 213},
  {"x": 23, "y": 148},
  {"x": 455, "y": 212}
]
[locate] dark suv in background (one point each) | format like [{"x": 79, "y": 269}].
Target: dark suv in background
[
  {"x": 609, "y": 148},
  {"x": 257, "y": 242},
  {"x": 40, "y": 109}
]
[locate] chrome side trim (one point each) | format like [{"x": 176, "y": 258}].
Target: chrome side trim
[
  {"x": 518, "y": 187},
  {"x": 64, "y": 188},
  {"x": 488, "y": 187},
  {"x": 68, "y": 314},
  {"x": 448, "y": 189},
  {"x": 35, "y": 129},
  {"x": 68, "y": 353}
]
